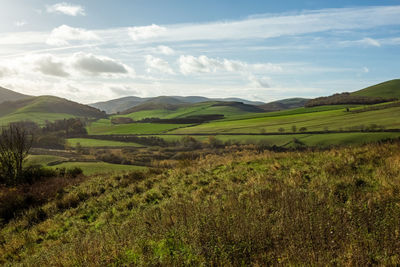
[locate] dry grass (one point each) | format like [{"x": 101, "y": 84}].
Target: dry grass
[{"x": 335, "y": 207}]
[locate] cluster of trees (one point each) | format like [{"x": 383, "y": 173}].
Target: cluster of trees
[
  {"x": 53, "y": 134},
  {"x": 346, "y": 99},
  {"x": 143, "y": 140},
  {"x": 15, "y": 143}
]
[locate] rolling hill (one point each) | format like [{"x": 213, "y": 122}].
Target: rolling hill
[
  {"x": 42, "y": 108},
  {"x": 8, "y": 95},
  {"x": 159, "y": 108},
  {"x": 284, "y": 104},
  {"x": 386, "y": 89},
  {"x": 122, "y": 104}
]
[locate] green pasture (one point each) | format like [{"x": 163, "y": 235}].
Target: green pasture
[
  {"x": 38, "y": 117},
  {"x": 42, "y": 159},
  {"x": 317, "y": 121},
  {"x": 86, "y": 142},
  {"x": 104, "y": 127}
]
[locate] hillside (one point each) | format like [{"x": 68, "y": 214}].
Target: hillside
[
  {"x": 176, "y": 109},
  {"x": 118, "y": 105},
  {"x": 240, "y": 207},
  {"x": 284, "y": 104},
  {"x": 388, "y": 89},
  {"x": 8, "y": 95},
  {"x": 45, "y": 108},
  {"x": 122, "y": 104}
]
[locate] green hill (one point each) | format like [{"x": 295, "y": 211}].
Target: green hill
[
  {"x": 284, "y": 104},
  {"x": 169, "y": 110},
  {"x": 386, "y": 89},
  {"x": 42, "y": 108},
  {"x": 130, "y": 102},
  {"x": 8, "y": 95}
]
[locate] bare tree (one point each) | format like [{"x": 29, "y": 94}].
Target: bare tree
[{"x": 15, "y": 143}]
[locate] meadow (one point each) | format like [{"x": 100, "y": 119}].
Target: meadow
[
  {"x": 335, "y": 120},
  {"x": 87, "y": 142},
  {"x": 104, "y": 126}
]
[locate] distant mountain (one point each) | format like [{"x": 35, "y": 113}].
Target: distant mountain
[
  {"x": 8, "y": 95},
  {"x": 160, "y": 102},
  {"x": 118, "y": 105},
  {"x": 284, "y": 104},
  {"x": 43, "y": 108},
  {"x": 388, "y": 89},
  {"x": 125, "y": 103}
]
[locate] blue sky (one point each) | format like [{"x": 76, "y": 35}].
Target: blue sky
[{"x": 261, "y": 50}]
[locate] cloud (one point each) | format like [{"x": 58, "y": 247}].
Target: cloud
[
  {"x": 62, "y": 35},
  {"x": 270, "y": 26},
  {"x": 203, "y": 64},
  {"x": 165, "y": 50},
  {"x": 4, "y": 71},
  {"x": 363, "y": 42},
  {"x": 49, "y": 65},
  {"x": 365, "y": 69},
  {"x": 157, "y": 64},
  {"x": 66, "y": 9},
  {"x": 20, "y": 23},
  {"x": 146, "y": 32},
  {"x": 262, "y": 82},
  {"x": 97, "y": 65}
]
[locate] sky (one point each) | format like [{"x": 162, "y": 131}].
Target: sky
[{"x": 97, "y": 50}]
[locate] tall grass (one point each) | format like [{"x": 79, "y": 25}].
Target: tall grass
[{"x": 335, "y": 207}]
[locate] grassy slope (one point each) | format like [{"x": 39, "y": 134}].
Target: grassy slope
[
  {"x": 86, "y": 142},
  {"x": 317, "y": 121},
  {"x": 192, "y": 110},
  {"x": 386, "y": 89},
  {"x": 40, "y": 109},
  {"x": 242, "y": 208},
  {"x": 105, "y": 127}
]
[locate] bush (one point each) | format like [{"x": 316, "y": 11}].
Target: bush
[{"x": 74, "y": 172}]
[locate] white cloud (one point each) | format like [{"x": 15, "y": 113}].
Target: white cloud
[
  {"x": 165, "y": 50},
  {"x": 4, "y": 71},
  {"x": 363, "y": 42},
  {"x": 66, "y": 9},
  {"x": 365, "y": 69},
  {"x": 146, "y": 32},
  {"x": 268, "y": 26},
  {"x": 20, "y": 23},
  {"x": 62, "y": 35},
  {"x": 49, "y": 65},
  {"x": 203, "y": 64},
  {"x": 158, "y": 64},
  {"x": 262, "y": 82},
  {"x": 96, "y": 65}
]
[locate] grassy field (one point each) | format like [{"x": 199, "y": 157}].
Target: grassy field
[
  {"x": 86, "y": 142},
  {"x": 91, "y": 168},
  {"x": 43, "y": 159},
  {"x": 316, "y": 121},
  {"x": 105, "y": 126},
  {"x": 241, "y": 208},
  {"x": 387, "y": 89},
  {"x": 38, "y": 117}
]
